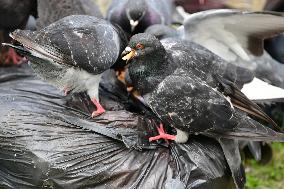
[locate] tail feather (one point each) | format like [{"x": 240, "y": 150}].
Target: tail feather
[
  {"x": 20, "y": 49},
  {"x": 40, "y": 49},
  {"x": 247, "y": 129}
]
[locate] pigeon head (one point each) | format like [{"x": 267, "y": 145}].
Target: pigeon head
[
  {"x": 143, "y": 46},
  {"x": 146, "y": 58},
  {"x": 135, "y": 11}
]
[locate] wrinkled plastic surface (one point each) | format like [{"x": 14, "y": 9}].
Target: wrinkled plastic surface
[{"x": 50, "y": 141}]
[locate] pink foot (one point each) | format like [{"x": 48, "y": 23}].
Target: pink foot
[
  {"x": 100, "y": 110},
  {"x": 162, "y": 135},
  {"x": 12, "y": 56}
]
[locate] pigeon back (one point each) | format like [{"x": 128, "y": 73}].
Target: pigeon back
[
  {"x": 82, "y": 41},
  {"x": 53, "y": 10}
]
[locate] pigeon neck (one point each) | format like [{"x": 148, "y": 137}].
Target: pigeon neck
[{"x": 147, "y": 72}]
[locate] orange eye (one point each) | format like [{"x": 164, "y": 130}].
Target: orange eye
[{"x": 139, "y": 46}]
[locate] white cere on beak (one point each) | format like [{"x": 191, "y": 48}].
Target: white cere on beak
[{"x": 127, "y": 49}]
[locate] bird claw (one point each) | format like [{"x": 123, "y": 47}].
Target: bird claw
[
  {"x": 97, "y": 113},
  {"x": 100, "y": 110},
  {"x": 12, "y": 56},
  {"x": 162, "y": 135}
]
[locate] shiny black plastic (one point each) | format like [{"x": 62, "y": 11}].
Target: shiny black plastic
[{"x": 49, "y": 141}]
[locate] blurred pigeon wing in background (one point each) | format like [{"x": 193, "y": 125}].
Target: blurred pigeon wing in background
[{"x": 237, "y": 37}]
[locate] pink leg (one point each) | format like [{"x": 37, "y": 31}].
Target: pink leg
[
  {"x": 162, "y": 135},
  {"x": 100, "y": 110},
  {"x": 12, "y": 56}
]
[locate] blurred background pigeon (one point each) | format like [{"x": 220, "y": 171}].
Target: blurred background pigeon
[
  {"x": 134, "y": 16},
  {"x": 192, "y": 6},
  {"x": 275, "y": 45},
  {"x": 237, "y": 37},
  {"x": 14, "y": 14}
]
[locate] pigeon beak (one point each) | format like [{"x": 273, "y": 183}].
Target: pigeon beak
[
  {"x": 133, "y": 24},
  {"x": 128, "y": 54}
]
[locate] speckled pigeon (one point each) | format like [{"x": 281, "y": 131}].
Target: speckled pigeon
[
  {"x": 134, "y": 16},
  {"x": 192, "y": 89},
  {"x": 73, "y": 52}
]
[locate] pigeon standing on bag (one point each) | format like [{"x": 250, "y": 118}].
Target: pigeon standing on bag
[
  {"x": 73, "y": 52},
  {"x": 193, "y": 90}
]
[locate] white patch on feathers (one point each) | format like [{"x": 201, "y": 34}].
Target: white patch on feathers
[
  {"x": 80, "y": 80},
  {"x": 260, "y": 90}
]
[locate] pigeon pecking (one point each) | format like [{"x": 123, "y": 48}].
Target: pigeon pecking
[{"x": 194, "y": 90}]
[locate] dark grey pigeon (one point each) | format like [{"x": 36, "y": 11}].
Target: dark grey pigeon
[
  {"x": 194, "y": 90},
  {"x": 53, "y": 10},
  {"x": 134, "y": 16},
  {"x": 14, "y": 14},
  {"x": 73, "y": 52}
]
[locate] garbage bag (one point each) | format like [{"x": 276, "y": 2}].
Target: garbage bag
[{"x": 49, "y": 141}]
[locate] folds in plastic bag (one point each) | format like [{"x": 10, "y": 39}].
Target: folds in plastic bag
[{"x": 50, "y": 141}]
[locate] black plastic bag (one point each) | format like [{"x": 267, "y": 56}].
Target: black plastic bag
[{"x": 50, "y": 141}]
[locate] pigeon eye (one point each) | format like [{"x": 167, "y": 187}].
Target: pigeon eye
[{"x": 139, "y": 46}]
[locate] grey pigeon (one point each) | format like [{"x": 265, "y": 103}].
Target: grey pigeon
[
  {"x": 134, "y": 16},
  {"x": 53, "y": 10},
  {"x": 194, "y": 90},
  {"x": 73, "y": 52}
]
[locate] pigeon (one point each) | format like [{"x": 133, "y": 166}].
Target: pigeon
[
  {"x": 276, "y": 5},
  {"x": 195, "y": 91},
  {"x": 53, "y": 10},
  {"x": 14, "y": 14},
  {"x": 73, "y": 52},
  {"x": 134, "y": 16},
  {"x": 199, "y": 5},
  {"x": 237, "y": 37},
  {"x": 275, "y": 47}
]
